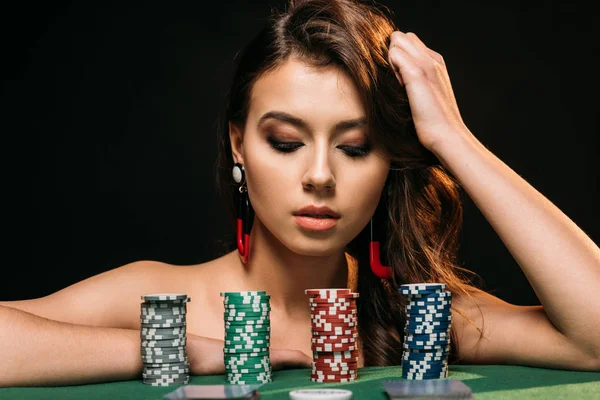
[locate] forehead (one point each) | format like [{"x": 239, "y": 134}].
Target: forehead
[{"x": 317, "y": 94}]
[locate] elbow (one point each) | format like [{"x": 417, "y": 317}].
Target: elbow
[
  {"x": 595, "y": 363},
  {"x": 591, "y": 364},
  {"x": 589, "y": 358}
]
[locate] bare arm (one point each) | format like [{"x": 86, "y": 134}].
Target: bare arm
[
  {"x": 492, "y": 331},
  {"x": 87, "y": 332},
  {"x": 39, "y": 351},
  {"x": 560, "y": 261}
]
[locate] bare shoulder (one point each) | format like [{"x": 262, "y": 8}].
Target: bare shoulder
[{"x": 112, "y": 298}]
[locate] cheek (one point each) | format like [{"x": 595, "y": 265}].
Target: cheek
[
  {"x": 268, "y": 180},
  {"x": 363, "y": 191}
]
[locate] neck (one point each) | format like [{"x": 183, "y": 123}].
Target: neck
[{"x": 285, "y": 275}]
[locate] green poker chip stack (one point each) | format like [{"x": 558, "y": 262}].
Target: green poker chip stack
[
  {"x": 247, "y": 337},
  {"x": 163, "y": 334}
]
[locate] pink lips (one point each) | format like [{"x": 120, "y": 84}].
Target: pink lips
[{"x": 316, "y": 218}]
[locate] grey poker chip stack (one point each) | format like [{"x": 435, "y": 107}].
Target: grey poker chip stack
[{"x": 163, "y": 334}]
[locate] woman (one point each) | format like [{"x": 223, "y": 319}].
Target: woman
[{"x": 337, "y": 123}]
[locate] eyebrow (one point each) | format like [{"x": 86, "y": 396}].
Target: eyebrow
[{"x": 299, "y": 123}]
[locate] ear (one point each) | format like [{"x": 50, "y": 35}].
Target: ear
[{"x": 236, "y": 138}]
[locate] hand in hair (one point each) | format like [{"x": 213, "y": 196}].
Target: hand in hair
[{"x": 423, "y": 73}]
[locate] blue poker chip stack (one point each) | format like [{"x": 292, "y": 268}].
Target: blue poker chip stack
[
  {"x": 247, "y": 340},
  {"x": 427, "y": 331},
  {"x": 163, "y": 334}
]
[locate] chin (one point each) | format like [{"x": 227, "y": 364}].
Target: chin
[{"x": 315, "y": 248}]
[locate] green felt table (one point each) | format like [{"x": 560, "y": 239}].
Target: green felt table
[{"x": 486, "y": 382}]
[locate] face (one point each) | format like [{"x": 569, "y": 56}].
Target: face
[{"x": 305, "y": 144}]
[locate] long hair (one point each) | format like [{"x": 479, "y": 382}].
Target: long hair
[{"x": 423, "y": 203}]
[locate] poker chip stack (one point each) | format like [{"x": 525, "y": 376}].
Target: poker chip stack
[
  {"x": 427, "y": 331},
  {"x": 334, "y": 335},
  {"x": 163, "y": 334},
  {"x": 247, "y": 337}
]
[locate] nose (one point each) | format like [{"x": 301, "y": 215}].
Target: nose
[{"x": 319, "y": 175}]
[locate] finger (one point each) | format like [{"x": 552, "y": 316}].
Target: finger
[
  {"x": 283, "y": 358},
  {"x": 410, "y": 43},
  {"x": 404, "y": 66},
  {"x": 395, "y": 67},
  {"x": 431, "y": 53}
]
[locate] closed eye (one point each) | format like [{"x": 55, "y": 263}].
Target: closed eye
[
  {"x": 356, "y": 151},
  {"x": 284, "y": 147},
  {"x": 288, "y": 147}
]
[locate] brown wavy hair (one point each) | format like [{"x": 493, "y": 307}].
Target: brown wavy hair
[{"x": 423, "y": 200}]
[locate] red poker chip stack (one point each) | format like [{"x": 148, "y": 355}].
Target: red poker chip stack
[{"x": 334, "y": 335}]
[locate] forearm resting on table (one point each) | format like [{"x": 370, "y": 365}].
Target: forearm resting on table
[{"x": 36, "y": 351}]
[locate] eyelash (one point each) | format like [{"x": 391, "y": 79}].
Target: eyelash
[{"x": 288, "y": 147}]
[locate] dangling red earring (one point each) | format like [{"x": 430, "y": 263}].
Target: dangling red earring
[
  {"x": 376, "y": 227},
  {"x": 245, "y": 214}
]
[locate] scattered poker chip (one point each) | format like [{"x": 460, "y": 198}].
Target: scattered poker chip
[{"x": 320, "y": 394}]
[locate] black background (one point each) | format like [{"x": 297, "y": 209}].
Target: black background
[{"x": 109, "y": 115}]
